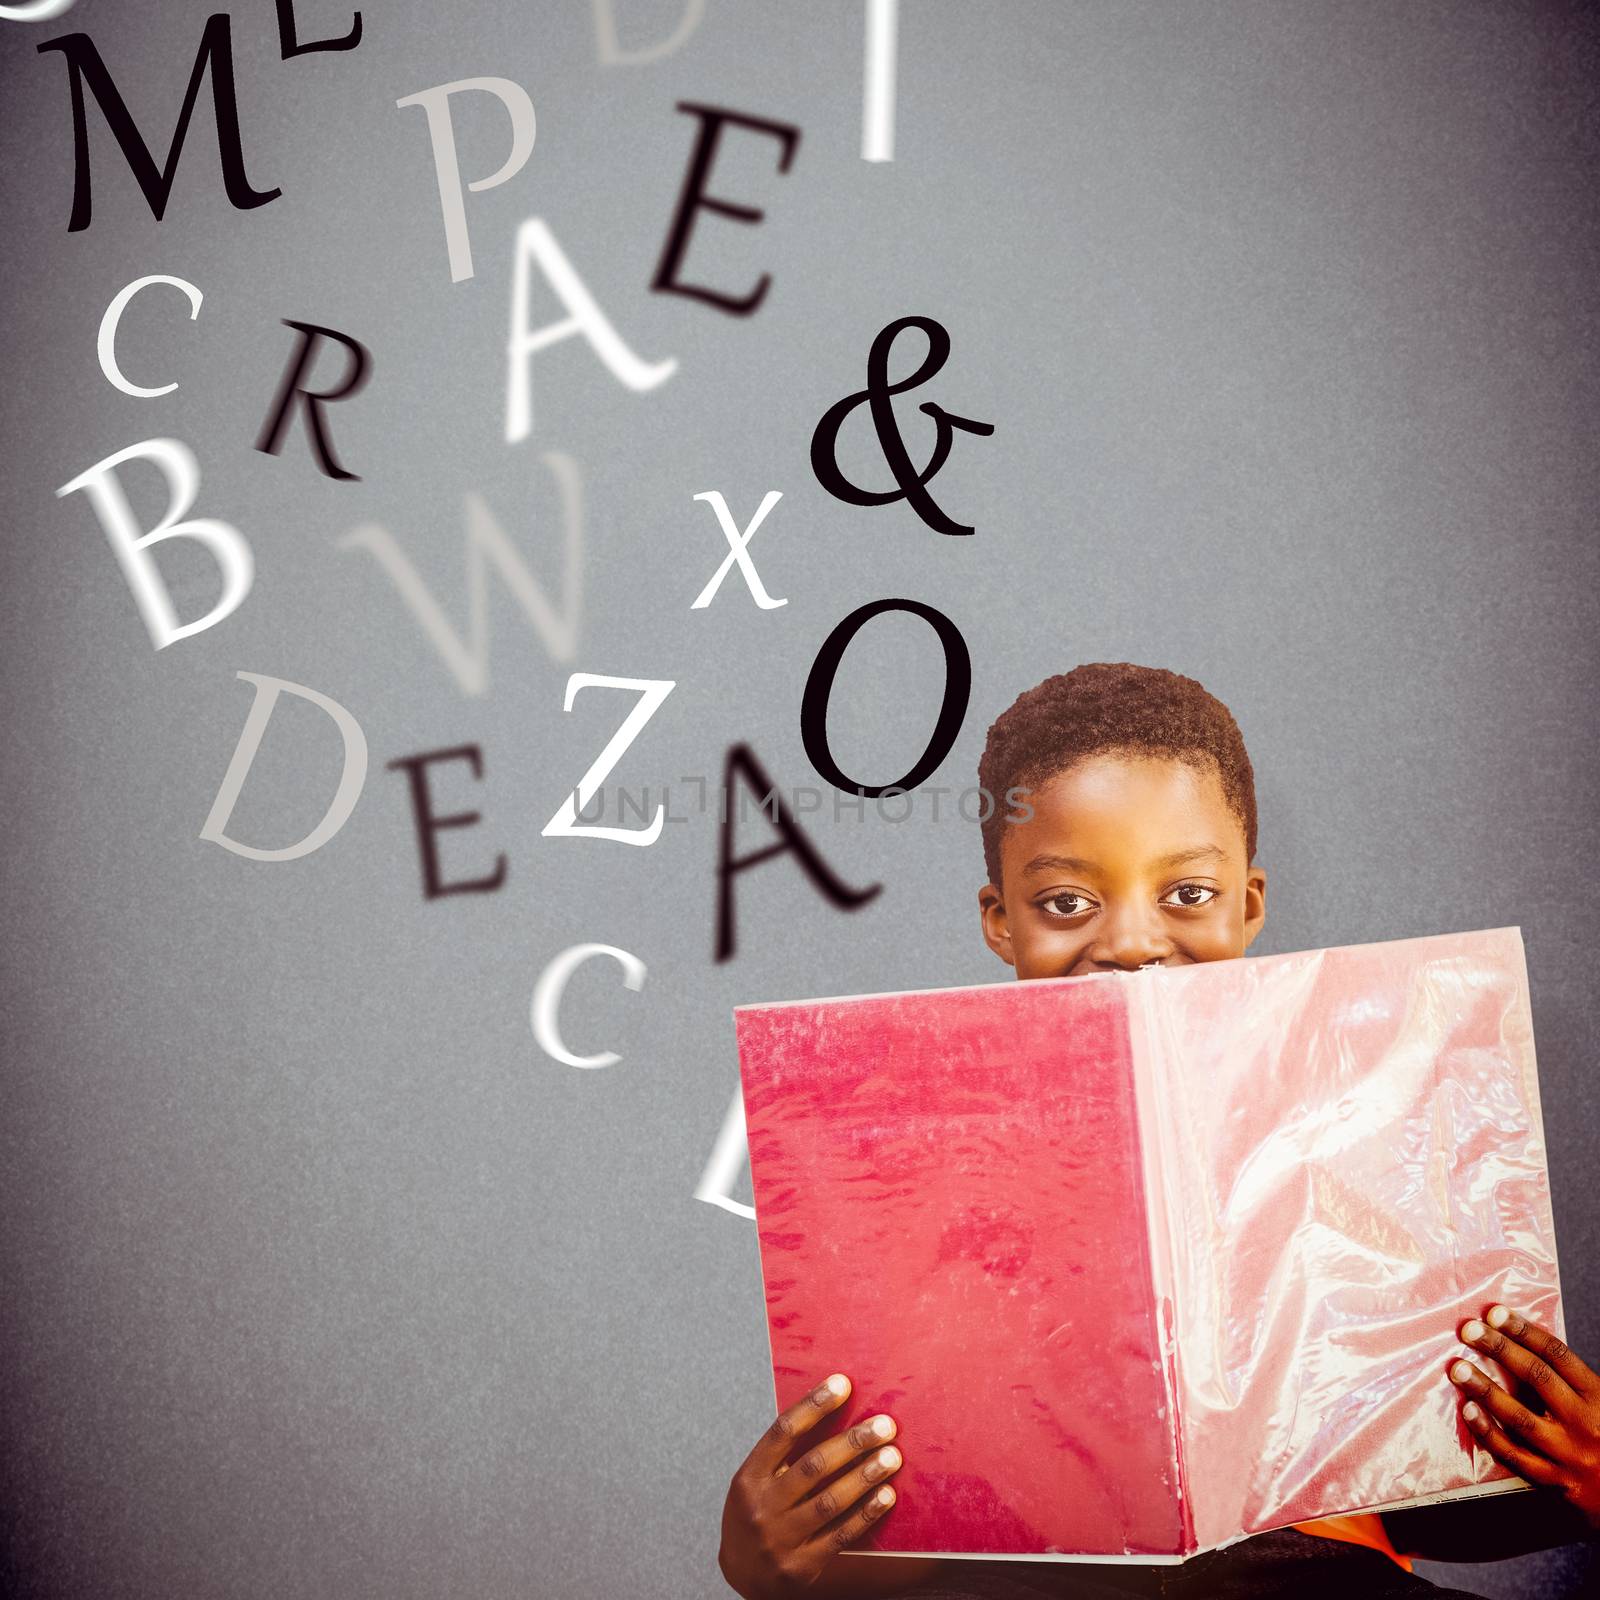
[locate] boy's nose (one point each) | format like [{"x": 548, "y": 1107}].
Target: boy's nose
[
  {"x": 1130, "y": 966},
  {"x": 1130, "y": 946}
]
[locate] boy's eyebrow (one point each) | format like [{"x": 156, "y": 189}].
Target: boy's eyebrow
[
  {"x": 1201, "y": 852},
  {"x": 1178, "y": 858}
]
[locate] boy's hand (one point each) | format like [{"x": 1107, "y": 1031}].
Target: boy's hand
[
  {"x": 1559, "y": 1449},
  {"x": 781, "y": 1525}
]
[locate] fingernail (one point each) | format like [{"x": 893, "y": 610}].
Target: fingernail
[
  {"x": 1472, "y": 1332},
  {"x": 1460, "y": 1372},
  {"x": 1471, "y": 1412},
  {"x": 837, "y": 1384},
  {"x": 884, "y": 1461},
  {"x": 886, "y": 1496},
  {"x": 1498, "y": 1316},
  {"x": 882, "y": 1427}
]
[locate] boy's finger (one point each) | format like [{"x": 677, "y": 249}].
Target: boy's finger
[
  {"x": 835, "y": 1499},
  {"x": 1511, "y": 1414},
  {"x": 848, "y": 1529},
  {"x": 766, "y": 1459},
  {"x": 1576, "y": 1373},
  {"x": 1556, "y": 1394},
  {"x": 1505, "y": 1449},
  {"x": 817, "y": 1465}
]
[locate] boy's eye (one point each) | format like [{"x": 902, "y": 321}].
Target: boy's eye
[
  {"x": 1194, "y": 894},
  {"x": 1063, "y": 906}
]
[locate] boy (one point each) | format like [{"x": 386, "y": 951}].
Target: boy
[{"x": 1134, "y": 849}]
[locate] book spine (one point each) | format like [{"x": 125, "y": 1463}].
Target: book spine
[{"x": 1148, "y": 1050}]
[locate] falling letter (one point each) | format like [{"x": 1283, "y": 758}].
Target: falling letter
[
  {"x": 877, "y": 110},
  {"x": 344, "y": 797},
  {"x": 106, "y": 344},
  {"x": 545, "y": 1010},
  {"x": 226, "y": 543},
  {"x": 436, "y": 103}
]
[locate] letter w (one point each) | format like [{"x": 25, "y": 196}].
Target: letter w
[{"x": 487, "y": 543}]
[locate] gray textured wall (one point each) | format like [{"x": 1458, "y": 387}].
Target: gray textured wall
[{"x": 316, "y": 1276}]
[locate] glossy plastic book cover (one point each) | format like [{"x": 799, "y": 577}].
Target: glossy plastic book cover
[{"x": 1143, "y": 1263}]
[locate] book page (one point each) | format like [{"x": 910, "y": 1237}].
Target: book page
[{"x": 1354, "y": 1164}]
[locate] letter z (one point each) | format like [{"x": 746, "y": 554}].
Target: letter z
[{"x": 564, "y": 824}]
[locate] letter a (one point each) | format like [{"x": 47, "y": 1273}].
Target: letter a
[
  {"x": 729, "y": 1157},
  {"x": 741, "y": 763},
  {"x": 344, "y": 798},
  {"x": 535, "y": 239},
  {"x": 225, "y": 542}
]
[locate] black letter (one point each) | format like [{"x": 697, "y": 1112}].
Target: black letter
[
  {"x": 288, "y": 40},
  {"x": 819, "y": 686},
  {"x": 277, "y": 423},
  {"x": 428, "y": 824},
  {"x": 85, "y": 66},
  {"x": 838, "y": 893},
  {"x": 695, "y": 198}
]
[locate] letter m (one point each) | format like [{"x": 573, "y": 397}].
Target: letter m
[{"x": 84, "y": 66}]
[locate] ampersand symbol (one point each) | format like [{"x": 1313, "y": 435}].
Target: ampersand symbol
[{"x": 879, "y": 395}]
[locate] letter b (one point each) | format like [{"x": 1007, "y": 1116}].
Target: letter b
[{"x": 226, "y": 543}]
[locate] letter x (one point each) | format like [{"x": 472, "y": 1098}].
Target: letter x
[{"x": 738, "y": 550}]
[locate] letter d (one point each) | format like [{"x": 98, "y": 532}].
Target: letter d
[{"x": 344, "y": 799}]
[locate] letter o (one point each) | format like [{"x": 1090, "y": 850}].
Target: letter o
[
  {"x": 819, "y": 687},
  {"x": 985, "y": 805},
  {"x": 894, "y": 793}
]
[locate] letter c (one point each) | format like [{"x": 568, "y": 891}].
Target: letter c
[
  {"x": 108, "y": 332},
  {"x": 547, "y": 992}
]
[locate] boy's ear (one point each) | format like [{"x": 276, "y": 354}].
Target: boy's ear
[
  {"x": 1255, "y": 902},
  {"x": 996, "y": 929}
]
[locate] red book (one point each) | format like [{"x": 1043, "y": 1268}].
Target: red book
[{"x": 1142, "y": 1263}]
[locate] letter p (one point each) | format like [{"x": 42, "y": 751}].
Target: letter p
[{"x": 436, "y": 103}]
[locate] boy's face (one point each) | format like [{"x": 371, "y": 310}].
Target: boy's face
[{"x": 1126, "y": 861}]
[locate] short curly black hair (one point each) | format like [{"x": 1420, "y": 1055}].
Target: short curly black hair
[{"x": 1106, "y": 707}]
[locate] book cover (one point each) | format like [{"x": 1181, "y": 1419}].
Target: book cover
[{"x": 1143, "y": 1263}]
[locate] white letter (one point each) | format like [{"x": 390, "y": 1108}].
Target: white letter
[
  {"x": 39, "y": 11},
  {"x": 225, "y": 542},
  {"x": 877, "y": 110},
  {"x": 738, "y": 550},
  {"x": 545, "y": 1010},
  {"x": 436, "y": 103},
  {"x": 605, "y": 27},
  {"x": 728, "y": 1158},
  {"x": 534, "y": 238},
  {"x": 564, "y": 824},
  {"x": 107, "y": 344},
  {"x": 487, "y": 544},
  {"x": 345, "y": 796}
]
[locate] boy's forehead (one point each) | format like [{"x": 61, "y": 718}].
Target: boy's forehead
[{"x": 1108, "y": 807}]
